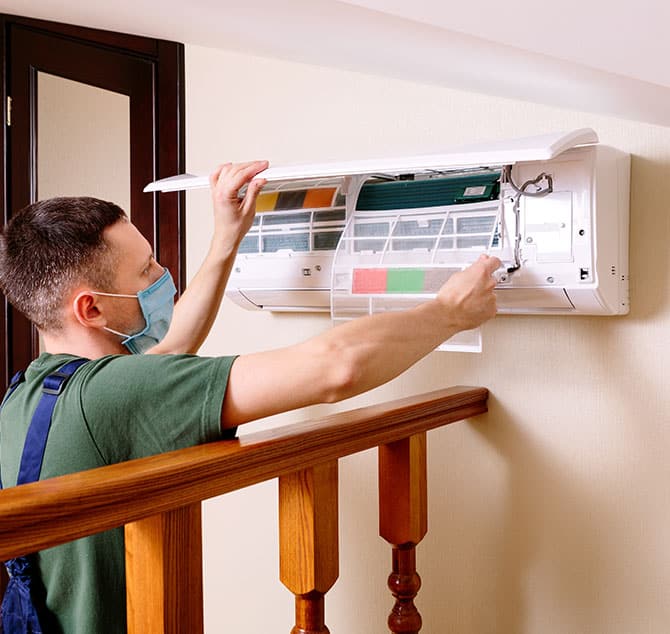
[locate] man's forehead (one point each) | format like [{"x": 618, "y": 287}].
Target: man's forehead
[{"x": 124, "y": 237}]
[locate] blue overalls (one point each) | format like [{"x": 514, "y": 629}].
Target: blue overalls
[{"x": 20, "y": 614}]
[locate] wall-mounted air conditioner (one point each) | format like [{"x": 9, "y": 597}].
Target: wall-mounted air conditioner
[{"x": 361, "y": 237}]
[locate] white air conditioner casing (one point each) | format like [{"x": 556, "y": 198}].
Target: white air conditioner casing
[{"x": 565, "y": 251}]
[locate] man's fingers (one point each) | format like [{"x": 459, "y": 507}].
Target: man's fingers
[
  {"x": 490, "y": 263},
  {"x": 241, "y": 174},
  {"x": 219, "y": 174},
  {"x": 229, "y": 178},
  {"x": 493, "y": 264},
  {"x": 252, "y": 192}
]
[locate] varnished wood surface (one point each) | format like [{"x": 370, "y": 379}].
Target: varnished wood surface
[
  {"x": 403, "y": 522},
  {"x": 308, "y": 541},
  {"x": 404, "y": 583},
  {"x": 43, "y": 514},
  {"x": 164, "y": 573},
  {"x": 308, "y": 529},
  {"x": 403, "y": 490},
  {"x": 310, "y": 614}
]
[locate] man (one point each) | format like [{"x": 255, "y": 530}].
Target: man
[{"x": 87, "y": 278}]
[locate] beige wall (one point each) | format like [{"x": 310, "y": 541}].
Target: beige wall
[{"x": 549, "y": 515}]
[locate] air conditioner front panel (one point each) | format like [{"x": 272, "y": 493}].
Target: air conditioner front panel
[
  {"x": 496, "y": 153},
  {"x": 288, "y": 300},
  {"x": 528, "y": 299}
]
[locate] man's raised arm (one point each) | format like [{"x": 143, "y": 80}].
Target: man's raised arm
[{"x": 198, "y": 306}]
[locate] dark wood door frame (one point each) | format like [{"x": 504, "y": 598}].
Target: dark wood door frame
[{"x": 151, "y": 73}]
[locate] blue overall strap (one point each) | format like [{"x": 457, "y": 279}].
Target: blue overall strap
[
  {"x": 36, "y": 438},
  {"x": 13, "y": 384},
  {"x": 20, "y": 612}
]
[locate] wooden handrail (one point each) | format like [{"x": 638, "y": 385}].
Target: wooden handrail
[
  {"x": 138, "y": 493},
  {"x": 51, "y": 512}
]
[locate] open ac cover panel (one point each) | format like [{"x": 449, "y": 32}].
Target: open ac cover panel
[{"x": 363, "y": 237}]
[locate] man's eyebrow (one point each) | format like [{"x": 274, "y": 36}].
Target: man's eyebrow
[{"x": 147, "y": 262}]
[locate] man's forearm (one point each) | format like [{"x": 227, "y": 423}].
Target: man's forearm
[
  {"x": 341, "y": 362},
  {"x": 379, "y": 348},
  {"x": 196, "y": 310}
]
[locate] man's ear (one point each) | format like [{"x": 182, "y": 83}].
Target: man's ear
[{"x": 86, "y": 310}]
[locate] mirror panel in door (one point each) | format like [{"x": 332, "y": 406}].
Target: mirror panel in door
[{"x": 83, "y": 141}]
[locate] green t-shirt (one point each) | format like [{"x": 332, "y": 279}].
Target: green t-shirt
[{"x": 116, "y": 408}]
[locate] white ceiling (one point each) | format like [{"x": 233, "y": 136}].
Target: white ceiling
[
  {"x": 588, "y": 55},
  {"x": 620, "y": 37}
]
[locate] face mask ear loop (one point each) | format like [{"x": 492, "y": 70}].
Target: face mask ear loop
[
  {"x": 125, "y": 335},
  {"x": 112, "y": 294},
  {"x": 116, "y": 332}
]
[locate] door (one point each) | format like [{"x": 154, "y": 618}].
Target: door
[{"x": 135, "y": 82}]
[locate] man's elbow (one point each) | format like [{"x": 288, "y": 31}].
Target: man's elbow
[{"x": 344, "y": 374}]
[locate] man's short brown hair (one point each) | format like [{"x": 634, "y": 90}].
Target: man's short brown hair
[{"x": 49, "y": 247}]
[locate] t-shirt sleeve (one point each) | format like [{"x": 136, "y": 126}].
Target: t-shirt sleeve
[{"x": 141, "y": 405}]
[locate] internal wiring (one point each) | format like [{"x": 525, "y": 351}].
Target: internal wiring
[
  {"x": 521, "y": 191},
  {"x": 507, "y": 172}
]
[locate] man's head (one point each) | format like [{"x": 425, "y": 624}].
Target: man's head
[{"x": 52, "y": 246}]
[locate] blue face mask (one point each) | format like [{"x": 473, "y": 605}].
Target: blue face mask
[{"x": 157, "y": 304}]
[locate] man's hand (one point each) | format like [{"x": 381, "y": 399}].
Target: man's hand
[
  {"x": 468, "y": 295},
  {"x": 233, "y": 215}
]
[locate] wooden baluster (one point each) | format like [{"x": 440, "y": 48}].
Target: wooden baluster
[
  {"x": 308, "y": 542},
  {"x": 403, "y": 522},
  {"x": 164, "y": 573}
]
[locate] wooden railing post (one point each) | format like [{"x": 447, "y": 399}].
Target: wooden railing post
[
  {"x": 164, "y": 573},
  {"x": 308, "y": 542},
  {"x": 403, "y": 522}
]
